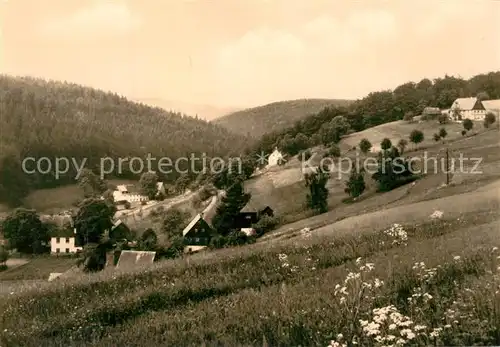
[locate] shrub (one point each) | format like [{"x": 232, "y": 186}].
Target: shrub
[
  {"x": 489, "y": 119},
  {"x": 235, "y": 238},
  {"x": 408, "y": 117},
  {"x": 468, "y": 124},
  {"x": 334, "y": 151},
  {"x": 4, "y": 255},
  {"x": 307, "y": 155},
  {"x": 266, "y": 224},
  {"x": 355, "y": 186},
  {"x": 386, "y": 144},
  {"x": 402, "y": 145},
  {"x": 443, "y": 118},
  {"x": 416, "y": 136},
  {"x": 365, "y": 145},
  {"x": 443, "y": 133}
]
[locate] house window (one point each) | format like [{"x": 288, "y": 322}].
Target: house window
[
  {"x": 67, "y": 250},
  {"x": 58, "y": 239},
  {"x": 67, "y": 240},
  {"x": 57, "y": 250}
]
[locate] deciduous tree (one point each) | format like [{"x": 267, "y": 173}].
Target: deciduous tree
[
  {"x": 148, "y": 184},
  {"x": 25, "y": 232},
  {"x": 468, "y": 124},
  {"x": 365, "y": 145},
  {"x": 416, "y": 136},
  {"x": 317, "y": 198}
]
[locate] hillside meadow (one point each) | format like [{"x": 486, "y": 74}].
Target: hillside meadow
[
  {"x": 283, "y": 188},
  {"x": 437, "y": 282}
]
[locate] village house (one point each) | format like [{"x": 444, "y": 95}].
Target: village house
[
  {"x": 63, "y": 236},
  {"x": 246, "y": 219},
  {"x": 120, "y": 231},
  {"x": 471, "y": 108},
  {"x": 250, "y": 215},
  {"x": 198, "y": 233},
  {"x": 275, "y": 158}
]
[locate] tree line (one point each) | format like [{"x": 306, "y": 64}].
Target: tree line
[{"x": 378, "y": 108}]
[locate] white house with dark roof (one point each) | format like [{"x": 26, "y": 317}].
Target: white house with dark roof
[
  {"x": 131, "y": 193},
  {"x": 471, "y": 108},
  {"x": 63, "y": 236},
  {"x": 275, "y": 158}
]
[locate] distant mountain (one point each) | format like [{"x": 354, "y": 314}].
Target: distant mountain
[
  {"x": 259, "y": 120},
  {"x": 205, "y": 112}
]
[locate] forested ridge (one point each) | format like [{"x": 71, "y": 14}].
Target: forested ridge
[
  {"x": 41, "y": 118},
  {"x": 378, "y": 108},
  {"x": 276, "y": 116}
]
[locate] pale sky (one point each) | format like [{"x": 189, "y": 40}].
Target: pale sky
[{"x": 245, "y": 53}]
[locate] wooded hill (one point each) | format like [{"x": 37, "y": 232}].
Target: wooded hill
[
  {"x": 54, "y": 119},
  {"x": 380, "y": 107},
  {"x": 256, "y": 121}
]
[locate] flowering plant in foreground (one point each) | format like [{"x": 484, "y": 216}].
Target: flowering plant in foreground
[
  {"x": 397, "y": 235},
  {"x": 387, "y": 326}
]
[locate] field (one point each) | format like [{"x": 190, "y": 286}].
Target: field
[
  {"x": 395, "y": 131},
  {"x": 37, "y": 268},
  {"x": 285, "y": 294},
  {"x": 284, "y": 188},
  {"x": 55, "y": 200}
]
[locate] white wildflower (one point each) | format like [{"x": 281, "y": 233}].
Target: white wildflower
[{"x": 436, "y": 215}]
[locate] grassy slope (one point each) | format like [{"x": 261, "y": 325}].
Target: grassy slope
[
  {"x": 38, "y": 269},
  {"x": 395, "y": 131},
  {"x": 275, "y": 116},
  {"x": 242, "y": 295},
  {"x": 284, "y": 189},
  {"x": 245, "y": 294},
  {"x": 55, "y": 200}
]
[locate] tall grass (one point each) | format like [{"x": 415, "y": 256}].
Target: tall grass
[{"x": 279, "y": 296}]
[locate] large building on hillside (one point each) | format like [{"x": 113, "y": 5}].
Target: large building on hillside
[{"x": 131, "y": 193}]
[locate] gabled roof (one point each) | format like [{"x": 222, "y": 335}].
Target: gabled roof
[
  {"x": 431, "y": 110},
  {"x": 117, "y": 223},
  {"x": 59, "y": 220},
  {"x": 464, "y": 103},
  {"x": 191, "y": 224},
  {"x": 491, "y": 104},
  {"x": 62, "y": 233},
  {"x": 121, "y": 188}
]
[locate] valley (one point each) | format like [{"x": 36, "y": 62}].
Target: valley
[{"x": 421, "y": 250}]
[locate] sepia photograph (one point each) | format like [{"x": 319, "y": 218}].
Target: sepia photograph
[{"x": 265, "y": 173}]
